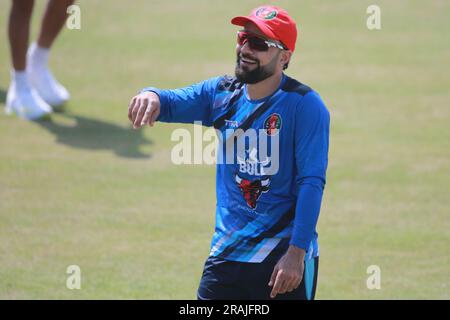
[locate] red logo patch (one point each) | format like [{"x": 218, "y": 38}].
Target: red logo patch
[
  {"x": 252, "y": 189},
  {"x": 272, "y": 124}
]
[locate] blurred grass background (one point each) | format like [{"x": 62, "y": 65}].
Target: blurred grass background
[{"x": 86, "y": 189}]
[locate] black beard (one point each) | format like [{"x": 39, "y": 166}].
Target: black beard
[{"x": 260, "y": 73}]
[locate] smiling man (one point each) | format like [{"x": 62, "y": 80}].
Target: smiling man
[{"x": 265, "y": 240}]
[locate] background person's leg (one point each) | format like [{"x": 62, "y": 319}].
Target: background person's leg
[
  {"x": 21, "y": 97},
  {"x": 40, "y": 76},
  {"x": 19, "y": 31},
  {"x": 53, "y": 21}
]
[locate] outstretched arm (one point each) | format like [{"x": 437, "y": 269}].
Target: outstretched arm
[{"x": 183, "y": 105}]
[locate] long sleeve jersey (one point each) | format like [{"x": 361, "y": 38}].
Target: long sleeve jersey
[{"x": 266, "y": 199}]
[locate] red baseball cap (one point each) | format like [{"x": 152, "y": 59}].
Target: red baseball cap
[{"x": 273, "y": 22}]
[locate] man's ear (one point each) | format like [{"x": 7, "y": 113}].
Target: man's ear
[{"x": 285, "y": 57}]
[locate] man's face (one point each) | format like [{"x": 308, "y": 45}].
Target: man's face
[{"x": 253, "y": 66}]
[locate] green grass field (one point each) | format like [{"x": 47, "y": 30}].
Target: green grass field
[{"x": 85, "y": 189}]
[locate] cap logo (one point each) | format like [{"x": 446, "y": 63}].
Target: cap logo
[{"x": 266, "y": 13}]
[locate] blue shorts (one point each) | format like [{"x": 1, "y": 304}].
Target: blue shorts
[{"x": 232, "y": 280}]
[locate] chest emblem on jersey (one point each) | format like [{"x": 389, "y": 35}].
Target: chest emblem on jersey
[
  {"x": 252, "y": 189},
  {"x": 272, "y": 124}
]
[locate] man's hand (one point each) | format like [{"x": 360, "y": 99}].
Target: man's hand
[
  {"x": 288, "y": 272},
  {"x": 144, "y": 109}
]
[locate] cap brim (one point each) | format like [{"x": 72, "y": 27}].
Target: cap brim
[{"x": 242, "y": 21}]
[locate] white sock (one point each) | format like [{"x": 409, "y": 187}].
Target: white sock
[
  {"x": 20, "y": 80},
  {"x": 39, "y": 55}
]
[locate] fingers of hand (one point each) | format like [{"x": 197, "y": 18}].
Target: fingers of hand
[
  {"x": 154, "y": 116},
  {"x": 295, "y": 282},
  {"x": 134, "y": 110},
  {"x": 285, "y": 282},
  {"x": 278, "y": 284},
  {"x": 273, "y": 276},
  {"x": 146, "y": 116},
  {"x": 130, "y": 108},
  {"x": 143, "y": 109},
  {"x": 298, "y": 282},
  {"x": 140, "y": 113}
]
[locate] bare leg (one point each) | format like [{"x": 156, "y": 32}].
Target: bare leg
[
  {"x": 39, "y": 74},
  {"x": 53, "y": 21},
  {"x": 19, "y": 31},
  {"x": 21, "y": 98}
]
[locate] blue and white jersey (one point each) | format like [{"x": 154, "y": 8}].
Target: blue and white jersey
[{"x": 265, "y": 200}]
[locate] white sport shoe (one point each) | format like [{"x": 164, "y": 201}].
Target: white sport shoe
[
  {"x": 26, "y": 103},
  {"x": 48, "y": 88}
]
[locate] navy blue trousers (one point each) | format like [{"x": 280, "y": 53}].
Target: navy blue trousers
[{"x": 232, "y": 280}]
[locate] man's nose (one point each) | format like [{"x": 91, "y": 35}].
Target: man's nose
[{"x": 245, "y": 48}]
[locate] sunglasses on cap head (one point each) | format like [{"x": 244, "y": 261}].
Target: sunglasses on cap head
[{"x": 255, "y": 42}]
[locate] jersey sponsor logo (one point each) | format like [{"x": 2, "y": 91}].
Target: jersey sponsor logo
[
  {"x": 272, "y": 124},
  {"x": 252, "y": 189},
  {"x": 265, "y": 13},
  {"x": 231, "y": 123},
  {"x": 254, "y": 167}
]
